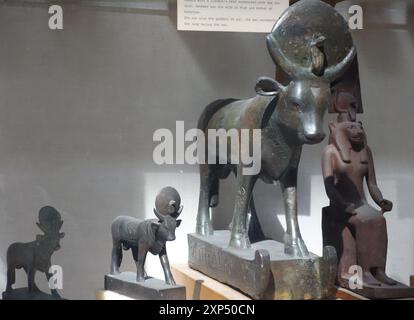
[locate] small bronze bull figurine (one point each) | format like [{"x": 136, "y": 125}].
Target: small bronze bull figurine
[
  {"x": 36, "y": 256},
  {"x": 151, "y": 235}
]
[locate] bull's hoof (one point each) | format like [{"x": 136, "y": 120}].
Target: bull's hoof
[
  {"x": 239, "y": 241},
  {"x": 114, "y": 271},
  {"x": 170, "y": 282},
  {"x": 205, "y": 229},
  {"x": 296, "y": 248},
  {"x": 214, "y": 201},
  {"x": 56, "y": 296}
]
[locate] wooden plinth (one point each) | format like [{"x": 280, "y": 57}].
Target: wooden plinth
[
  {"x": 344, "y": 294},
  {"x": 202, "y": 287},
  {"x": 110, "y": 295}
]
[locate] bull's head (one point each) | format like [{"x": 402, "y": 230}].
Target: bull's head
[
  {"x": 51, "y": 235},
  {"x": 51, "y": 240},
  {"x": 304, "y": 101},
  {"x": 168, "y": 222}
]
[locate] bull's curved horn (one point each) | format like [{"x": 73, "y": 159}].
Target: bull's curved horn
[
  {"x": 334, "y": 72},
  {"x": 179, "y": 211},
  {"x": 279, "y": 57},
  {"x": 158, "y": 215}
]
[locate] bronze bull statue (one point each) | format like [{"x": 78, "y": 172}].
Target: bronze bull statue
[
  {"x": 288, "y": 116},
  {"x": 143, "y": 236},
  {"x": 36, "y": 255}
]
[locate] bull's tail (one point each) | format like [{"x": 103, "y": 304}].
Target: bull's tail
[{"x": 210, "y": 110}]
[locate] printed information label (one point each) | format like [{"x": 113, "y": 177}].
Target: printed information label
[{"x": 229, "y": 15}]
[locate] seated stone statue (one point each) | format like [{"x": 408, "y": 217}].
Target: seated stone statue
[{"x": 357, "y": 230}]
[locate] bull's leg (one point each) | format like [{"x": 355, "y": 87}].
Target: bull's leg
[
  {"x": 294, "y": 244},
  {"x": 116, "y": 258},
  {"x": 34, "y": 287},
  {"x": 31, "y": 273},
  {"x": 11, "y": 278},
  {"x": 169, "y": 279},
  {"x": 239, "y": 237},
  {"x": 204, "y": 226},
  {"x": 254, "y": 228},
  {"x": 135, "y": 256},
  {"x": 140, "y": 262}
]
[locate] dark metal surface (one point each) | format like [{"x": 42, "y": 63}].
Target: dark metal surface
[
  {"x": 312, "y": 43},
  {"x": 168, "y": 201},
  {"x": 306, "y": 21},
  {"x": 264, "y": 271},
  {"x": 143, "y": 236},
  {"x": 35, "y": 256}
]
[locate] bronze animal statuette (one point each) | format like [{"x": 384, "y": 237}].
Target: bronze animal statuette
[
  {"x": 312, "y": 44},
  {"x": 143, "y": 236},
  {"x": 36, "y": 256}
]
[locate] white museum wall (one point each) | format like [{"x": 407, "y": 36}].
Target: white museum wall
[{"x": 79, "y": 108}]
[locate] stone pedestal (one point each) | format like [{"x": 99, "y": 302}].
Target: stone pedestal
[
  {"x": 24, "y": 294},
  {"x": 263, "y": 271},
  {"x": 397, "y": 291},
  {"x": 151, "y": 289}
]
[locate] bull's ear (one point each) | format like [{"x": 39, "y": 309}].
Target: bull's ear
[
  {"x": 267, "y": 87},
  {"x": 178, "y": 222}
]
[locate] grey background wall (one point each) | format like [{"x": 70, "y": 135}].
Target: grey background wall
[{"x": 79, "y": 108}]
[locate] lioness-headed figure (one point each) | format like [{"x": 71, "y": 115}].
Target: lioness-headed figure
[{"x": 357, "y": 230}]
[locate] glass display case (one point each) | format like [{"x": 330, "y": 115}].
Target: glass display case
[{"x": 104, "y": 103}]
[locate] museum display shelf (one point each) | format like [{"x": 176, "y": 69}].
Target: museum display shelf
[
  {"x": 110, "y": 295},
  {"x": 201, "y": 287}
]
